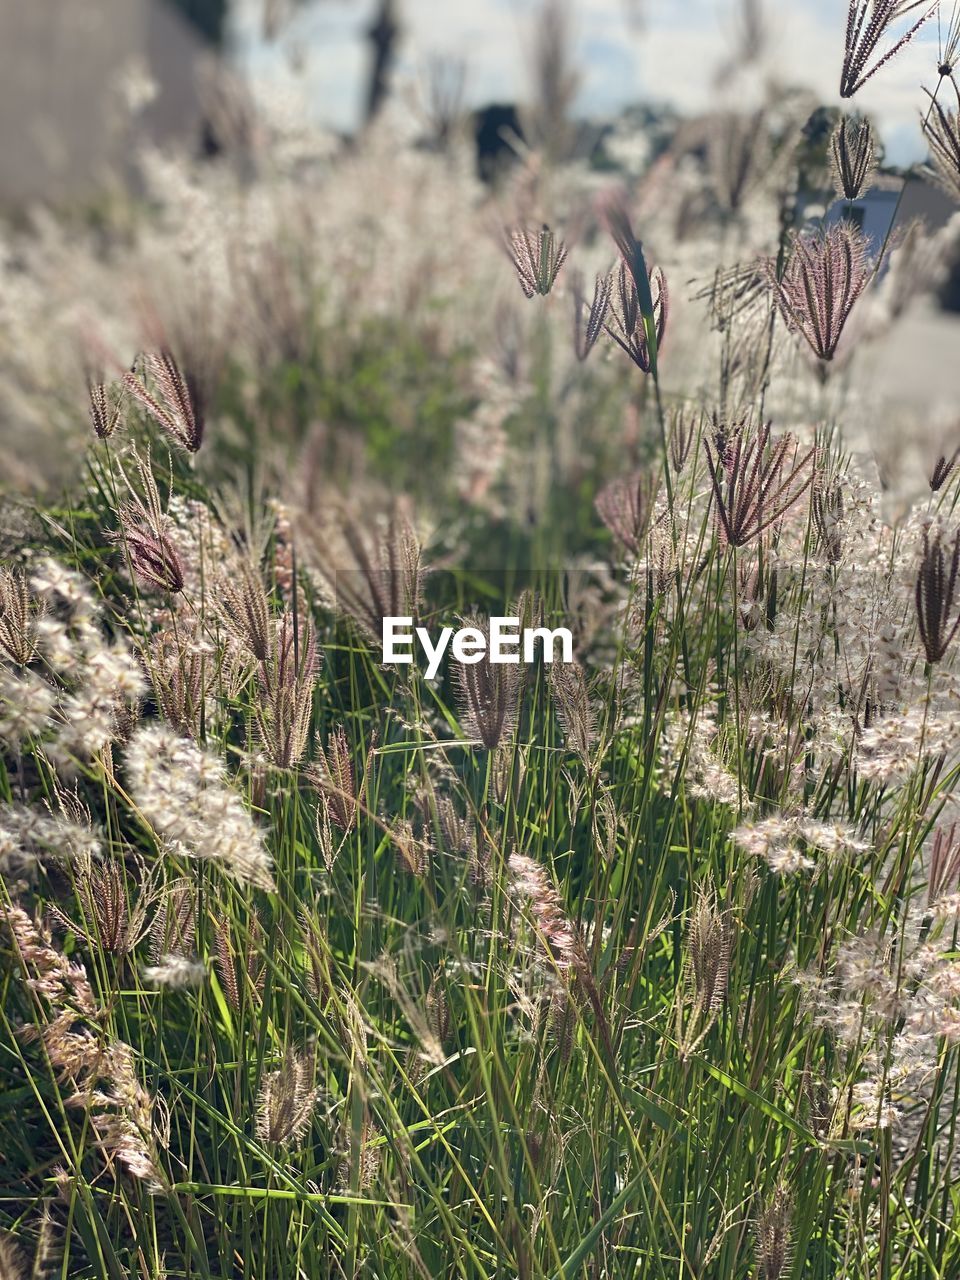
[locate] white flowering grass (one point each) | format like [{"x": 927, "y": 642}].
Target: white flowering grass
[{"x": 314, "y": 967}]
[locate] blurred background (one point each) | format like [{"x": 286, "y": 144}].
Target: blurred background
[
  {"x": 306, "y": 200},
  {"x": 669, "y": 55},
  {"x": 63, "y": 66}
]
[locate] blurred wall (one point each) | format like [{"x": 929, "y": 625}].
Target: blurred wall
[{"x": 75, "y": 80}]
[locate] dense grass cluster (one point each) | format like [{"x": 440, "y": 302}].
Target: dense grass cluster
[{"x": 641, "y": 966}]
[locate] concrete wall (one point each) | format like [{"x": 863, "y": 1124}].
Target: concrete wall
[{"x": 63, "y": 122}]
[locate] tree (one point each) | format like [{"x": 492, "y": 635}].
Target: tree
[{"x": 208, "y": 16}]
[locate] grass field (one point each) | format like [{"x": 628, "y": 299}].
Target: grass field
[{"x": 644, "y": 965}]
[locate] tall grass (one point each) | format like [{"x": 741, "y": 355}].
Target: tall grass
[{"x": 644, "y": 966}]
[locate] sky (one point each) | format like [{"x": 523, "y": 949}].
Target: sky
[{"x": 670, "y": 55}]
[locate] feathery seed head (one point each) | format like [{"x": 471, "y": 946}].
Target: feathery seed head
[
  {"x": 537, "y": 257},
  {"x": 438, "y": 1009},
  {"x": 177, "y": 405},
  {"x": 20, "y": 613},
  {"x": 640, "y": 313},
  {"x": 387, "y": 576},
  {"x": 709, "y": 951},
  {"x": 625, "y": 506},
  {"x": 852, "y": 157},
  {"x": 943, "y": 469},
  {"x": 572, "y": 700},
  {"x": 586, "y": 330},
  {"x": 942, "y": 130},
  {"x": 13, "y": 1260},
  {"x": 285, "y": 691},
  {"x": 241, "y": 967},
  {"x": 935, "y": 592},
  {"x": 824, "y": 275},
  {"x": 773, "y": 1236},
  {"x": 556, "y": 934},
  {"x": 707, "y": 970},
  {"x": 488, "y": 693},
  {"x": 175, "y": 972},
  {"x": 683, "y": 432},
  {"x": 754, "y": 482},
  {"x": 336, "y": 779},
  {"x": 144, "y": 532},
  {"x": 241, "y": 601},
  {"x": 944, "y": 874},
  {"x": 412, "y": 850},
  {"x": 181, "y": 674},
  {"x": 112, "y": 918},
  {"x": 286, "y": 1102},
  {"x": 106, "y": 405},
  {"x": 630, "y": 332},
  {"x": 828, "y": 513},
  {"x": 183, "y": 793},
  {"x": 174, "y": 927},
  {"x": 153, "y": 554},
  {"x": 868, "y": 22}
]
